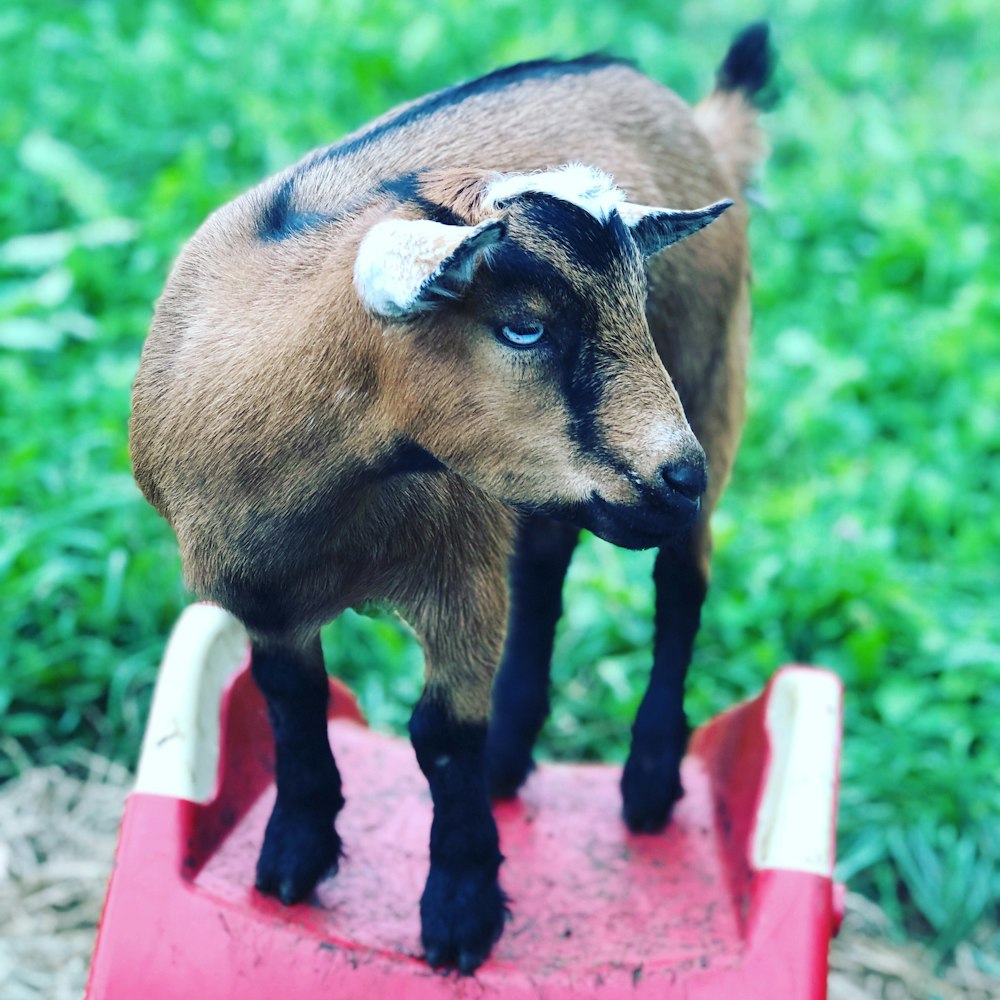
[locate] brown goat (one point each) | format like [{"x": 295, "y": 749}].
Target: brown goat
[{"x": 425, "y": 348}]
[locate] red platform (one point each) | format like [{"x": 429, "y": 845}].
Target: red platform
[{"x": 734, "y": 900}]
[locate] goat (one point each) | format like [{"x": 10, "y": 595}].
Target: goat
[{"x": 430, "y": 353}]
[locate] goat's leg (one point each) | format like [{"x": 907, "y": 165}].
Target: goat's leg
[
  {"x": 462, "y": 909},
  {"x": 651, "y": 781},
  {"x": 300, "y": 843},
  {"x": 542, "y": 552}
]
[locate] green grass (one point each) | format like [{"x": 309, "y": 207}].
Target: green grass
[{"x": 860, "y": 530}]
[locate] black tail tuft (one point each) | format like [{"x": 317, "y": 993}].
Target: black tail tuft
[{"x": 749, "y": 65}]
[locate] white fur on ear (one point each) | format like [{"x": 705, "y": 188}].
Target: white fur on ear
[
  {"x": 631, "y": 214},
  {"x": 401, "y": 262},
  {"x": 586, "y": 187}
]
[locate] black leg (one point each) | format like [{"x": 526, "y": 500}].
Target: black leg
[
  {"x": 462, "y": 909},
  {"x": 521, "y": 690},
  {"x": 300, "y": 843},
  {"x": 651, "y": 781}
]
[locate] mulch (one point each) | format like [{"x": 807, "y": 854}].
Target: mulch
[{"x": 57, "y": 838}]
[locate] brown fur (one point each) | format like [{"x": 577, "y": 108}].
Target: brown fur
[
  {"x": 267, "y": 395},
  {"x": 311, "y": 455}
]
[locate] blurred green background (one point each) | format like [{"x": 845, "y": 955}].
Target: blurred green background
[{"x": 860, "y": 530}]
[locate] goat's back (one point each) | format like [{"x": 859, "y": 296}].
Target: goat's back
[{"x": 259, "y": 310}]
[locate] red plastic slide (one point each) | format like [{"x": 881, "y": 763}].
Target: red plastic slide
[{"x": 735, "y": 901}]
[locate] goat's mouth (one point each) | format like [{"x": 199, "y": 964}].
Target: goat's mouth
[{"x": 630, "y": 526}]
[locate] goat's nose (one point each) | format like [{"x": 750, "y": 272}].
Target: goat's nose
[{"x": 685, "y": 478}]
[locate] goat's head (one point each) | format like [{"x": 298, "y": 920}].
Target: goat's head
[{"x": 534, "y": 374}]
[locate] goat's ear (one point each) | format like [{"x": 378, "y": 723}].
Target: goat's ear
[
  {"x": 654, "y": 229},
  {"x": 406, "y": 266}
]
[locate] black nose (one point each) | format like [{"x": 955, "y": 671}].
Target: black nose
[{"x": 685, "y": 478}]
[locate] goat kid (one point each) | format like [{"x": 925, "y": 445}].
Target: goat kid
[{"x": 372, "y": 374}]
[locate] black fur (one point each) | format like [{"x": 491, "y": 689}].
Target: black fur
[
  {"x": 279, "y": 219},
  {"x": 509, "y": 282},
  {"x": 462, "y": 909},
  {"x": 648, "y": 525},
  {"x": 521, "y": 691},
  {"x": 255, "y": 606},
  {"x": 582, "y": 385},
  {"x": 651, "y": 777},
  {"x": 300, "y": 843},
  {"x": 512, "y": 274},
  {"x": 749, "y": 65},
  {"x": 594, "y": 246},
  {"x": 498, "y": 80},
  {"x": 407, "y": 458},
  {"x": 406, "y": 188},
  {"x": 454, "y": 274},
  {"x": 651, "y": 781},
  {"x": 657, "y": 231}
]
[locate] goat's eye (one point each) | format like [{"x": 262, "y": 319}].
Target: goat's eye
[{"x": 523, "y": 336}]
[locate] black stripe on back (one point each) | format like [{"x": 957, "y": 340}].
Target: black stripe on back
[
  {"x": 406, "y": 188},
  {"x": 509, "y": 76},
  {"x": 279, "y": 219}
]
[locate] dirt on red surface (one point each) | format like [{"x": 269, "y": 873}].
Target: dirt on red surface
[{"x": 57, "y": 839}]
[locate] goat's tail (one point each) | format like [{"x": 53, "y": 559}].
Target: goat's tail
[{"x": 728, "y": 116}]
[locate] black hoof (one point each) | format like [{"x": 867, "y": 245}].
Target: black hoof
[
  {"x": 506, "y": 778},
  {"x": 461, "y": 917},
  {"x": 649, "y": 790},
  {"x": 300, "y": 848},
  {"x": 507, "y": 767}
]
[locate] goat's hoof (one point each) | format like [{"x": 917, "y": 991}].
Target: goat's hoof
[
  {"x": 649, "y": 791},
  {"x": 300, "y": 848},
  {"x": 461, "y": 916},
  {"x": 507, "y": 771}
]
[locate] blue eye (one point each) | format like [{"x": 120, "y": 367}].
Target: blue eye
[{"x": 523, "y": 336}]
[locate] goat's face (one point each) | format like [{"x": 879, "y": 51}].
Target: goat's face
[{"x": 537, "y": 377}]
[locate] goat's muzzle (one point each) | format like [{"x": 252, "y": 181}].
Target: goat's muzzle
[{"x": 666, "y": 507}]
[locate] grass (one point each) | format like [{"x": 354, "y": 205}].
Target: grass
[{"x": 860, "y": 530}]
